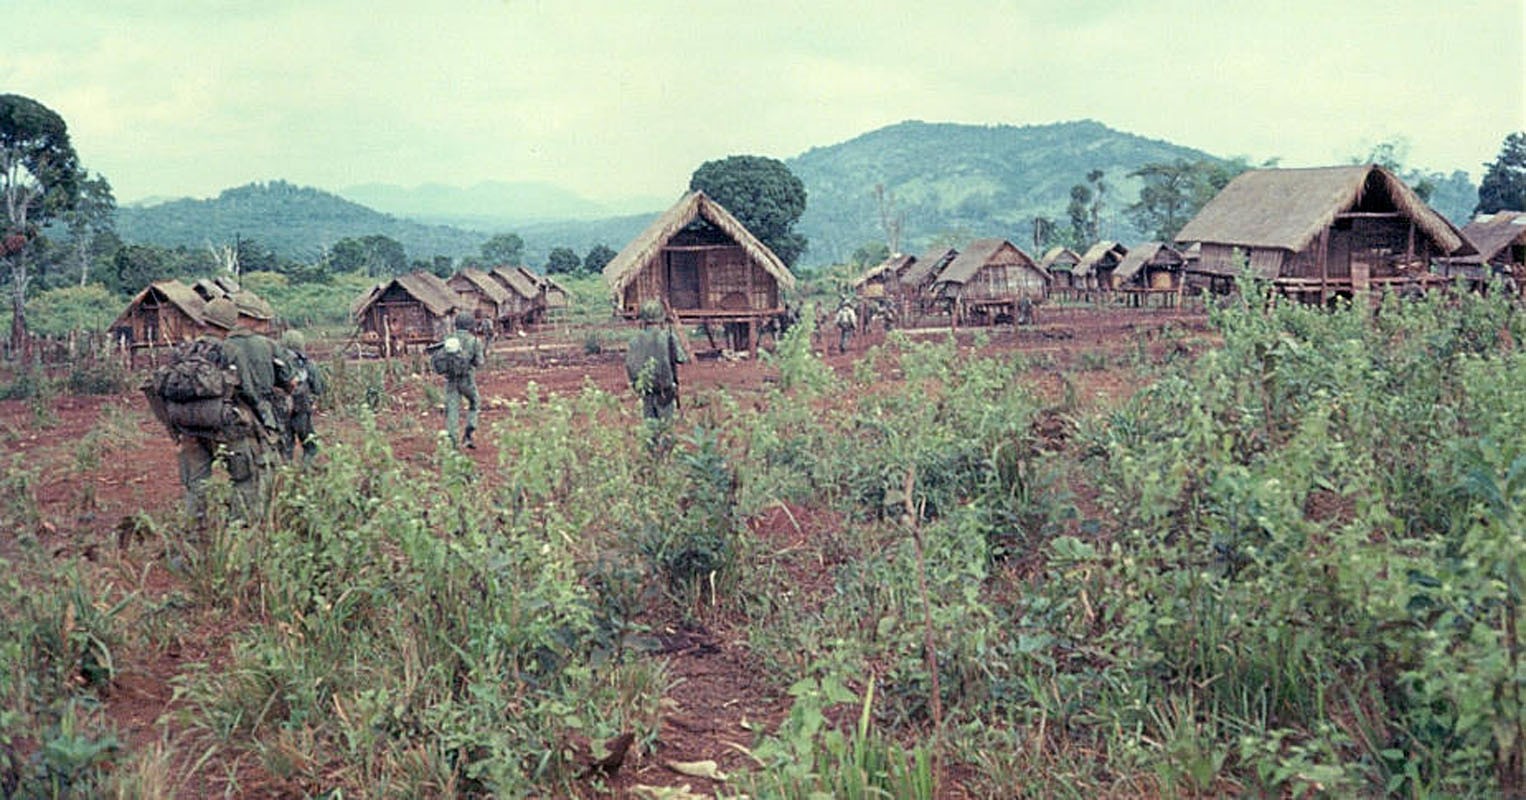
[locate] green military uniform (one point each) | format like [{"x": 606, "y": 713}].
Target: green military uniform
[
  {"x": 307, "y": 383},
  {"x": 651, "y": 363},
  {"x": 464, "y": 386},
  {"x": 247, "y": 452}
]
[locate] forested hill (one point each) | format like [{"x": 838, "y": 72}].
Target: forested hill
[
  {"x": 969, "y": 181},
  {"x": 292, "y": 221}
]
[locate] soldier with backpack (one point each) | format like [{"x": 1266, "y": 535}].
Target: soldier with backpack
[
  {"x": 218, "y": 396},
  {"x": 307, "y": 384},
  {"x": 651, "y": 364},
  {"x": 847, "y": 324},
  {"x": 457, "y": 358}
]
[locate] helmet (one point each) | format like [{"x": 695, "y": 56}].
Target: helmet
[
  {"x": 222, "y": 313},
  {"x": 465, "y": 321},
  {"x": 651, "y": 311},
  {"x": 294, "y": 339}
]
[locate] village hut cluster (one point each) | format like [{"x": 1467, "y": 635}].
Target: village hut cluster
[
  {"x": 168, "y": 312},
  {"x": 1314, "y": 235},
  {"x": 419, "y": 308}
]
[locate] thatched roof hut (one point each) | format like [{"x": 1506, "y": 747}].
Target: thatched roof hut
[
  {"x": 416, "y": 308},
  {"x": 701, "y": 263},
  {"x": 991, "y": 273},
  {"x": 484, "y": 297},
  {"x": 1499, "y": 238},
  {"x": 168, "y": 312},
  {"x": 1060, "y": 262},
  {"x": 1322, "y": 231},
  {"x": 557, "y": 296},
  {"x": 1095, "y": 267},
  {"x": 1152, "y": 265},
  {"x": 882, "y": 279},
  {"x": 924, "y": 269},
  {"x": 524, "y": 292}
]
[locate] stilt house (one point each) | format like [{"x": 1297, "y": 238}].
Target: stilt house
[
  {"x": 704, "y": 267},
  {"x": 917, "y": 280},
  {"x": 1151, "y": 270},
  {"x": 1095, "y": 269},
  {"x": 1060, "y": 262},
  {"x": 987, "y": 278},
  {"x": 485, "y": 298},
  {"x": 418, "y": 308},
  {"x": 168, "y": 312},
  {"x": 1500, "y": 239},
  {"x": 1322, "y": 232},
  {"x": 526, "y": 302}
]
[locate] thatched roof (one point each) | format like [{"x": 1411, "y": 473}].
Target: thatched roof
[
  {"x": 982, "y": 253},
  {"x": 517, "y": 281},
  {"x": 484, "y": 284},
  {"x": 1095, "y": 254},
  {"x": 1286, "y": 208},
  {"x": 1492, "y": 233},
  {"x": 248, "y": 303},
  {"x": 893, "y": 265},
  {"x": 695, "y": 205},
  {"x": 927, "y": 266},
  {"x": 426, "y": 287},
  {"x": 173, "y": 292},
  {"x": 1059, "y": 257},
  {"x": 1157, "y": 253}
]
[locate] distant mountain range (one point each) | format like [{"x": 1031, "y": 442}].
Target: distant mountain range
[{"x": 945, "y": 181}]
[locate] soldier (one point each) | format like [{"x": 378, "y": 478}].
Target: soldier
[
  {"x": 457, "y": 358},
  {"x": 847, "y": 324},
  {"x": 1024, "y": 311},
  {"x": 306, "y": 385},
  {"x": 651, "y": 363},
  {"x": 245, "y": 444}
]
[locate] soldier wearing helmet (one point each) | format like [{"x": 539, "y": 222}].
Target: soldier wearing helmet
[
  {"x": 457, "y": 359},
  {"x": 651, "y": 364},
  {"x": 247, "y": 449},
  {"x": 307, "y": 383}
]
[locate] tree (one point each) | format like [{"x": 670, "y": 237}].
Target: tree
[
  {"x": 1504, "y": 184},
  {"x": 1174, "y": 192},
  {"x": 1094, "y": 212},
  {"x": 762, "y": 194},
  {"x": 1079, "y": 211},
  {"x": 504, "y": 249},
  {"x": 892, "y": 219},
  {"x": 375, "y": 255},
  {"x": 870, "y": 254},
  {"x": 93, "y": 215},
  {"x": 39, "y": 178},
  {"x": 598, "y": 256},
  {"x": 562, "y": 261}
]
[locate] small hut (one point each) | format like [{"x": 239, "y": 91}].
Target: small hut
[
  {"x": 168, "y": 312},
  {"x": 918, "y": 277},
  {"x": 987, "y": 278},
  {"x": 1060, "y": 262},
  {"x": 253, "y": 312},
  {"x": 485, "y": 298},
  {"x": 526, "y": 301},
  {"x": 413, "y": 309},
  {"x": 1322, "y": 232},
  {"x": 1151, "y": 270},
  {"x": 1095, "y": 268},
  {"x": 882, "y": 281},
  {"x": 705, "y": 267},
  {"x": 1500, "y": 239},
  {"x": 558, "y": 299}
]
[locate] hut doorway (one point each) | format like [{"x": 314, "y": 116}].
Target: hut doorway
[{"x": 683, "y": 278}]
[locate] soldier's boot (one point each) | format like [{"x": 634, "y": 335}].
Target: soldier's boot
[{"x": 471, "y": 445}]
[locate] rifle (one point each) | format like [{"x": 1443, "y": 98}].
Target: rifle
[{"x": 676, "y": 327}]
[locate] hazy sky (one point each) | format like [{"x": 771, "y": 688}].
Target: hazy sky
[{"x": 623, "y": 99}]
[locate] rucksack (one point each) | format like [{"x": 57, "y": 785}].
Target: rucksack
[
  {"x": 450, "y": 358},
  {"x": 193, "y": 395}
]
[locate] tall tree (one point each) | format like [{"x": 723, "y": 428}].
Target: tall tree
[
  {"x": 1079, "y": 212},
  {"x": 375, "y": 255},
  {"x": 39, "y": 178},
  {"x": 892, "y": 219},
  {"x": 1504, "y": 184},
  {"x": 562, "y": 261},
  {"x": 93, "y": 215},
  {"x": 598, "y": 256},
  {"x": 504, "y": 249},
  {"x": 762, "y": 194},
  {"x": 1099, "y": 188},
  {"x": 1174, "y": 192}
]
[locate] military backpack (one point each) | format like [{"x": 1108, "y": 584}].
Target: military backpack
[
  {"x": 450, "y": 358},
  {"x": 193, "y": 395}
]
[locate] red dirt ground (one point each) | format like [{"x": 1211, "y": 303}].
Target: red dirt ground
[{"x": 84, "y": 513}]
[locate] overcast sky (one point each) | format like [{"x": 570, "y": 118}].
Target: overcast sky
[{"x": 619, "y": 99}]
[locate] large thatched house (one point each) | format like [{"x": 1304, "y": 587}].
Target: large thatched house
[
  {"x": 701, "y": 264},
  {"x": 1321, "y": 232},
  {"x": 413, "y": 309},
  {"x": 169, "y": 312},
  {"x": 1500, "y": 239},
  {"x": 1095, "y": 268},
  {"x": 987, "y": 278}
]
